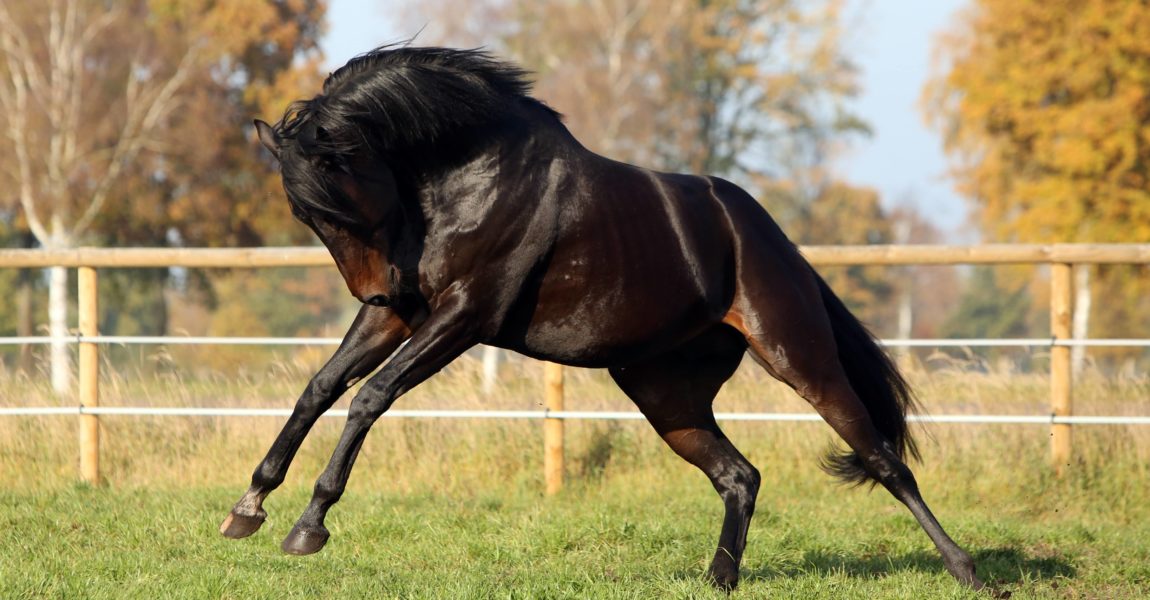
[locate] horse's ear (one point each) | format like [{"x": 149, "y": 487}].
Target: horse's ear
[{"x": 268, "y": 137}]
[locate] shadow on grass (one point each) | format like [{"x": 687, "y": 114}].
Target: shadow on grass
[{"x": 996, "y": 565}]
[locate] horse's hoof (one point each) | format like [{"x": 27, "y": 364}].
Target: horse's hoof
[
  {"x": 967, "y": 577},
  {"x": 305, "y": 541},
  {"x": 237, "y": 526},
  {"x": 723, "y": 581}
]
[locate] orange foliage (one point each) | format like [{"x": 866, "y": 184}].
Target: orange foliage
[
  {"x": 1045, "y": 106},
  {"x": 1045, "y": 109}
]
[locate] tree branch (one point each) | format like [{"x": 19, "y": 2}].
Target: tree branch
[
  {"x": 142, "y": 120},
  {"x": 15, "y": 100}
]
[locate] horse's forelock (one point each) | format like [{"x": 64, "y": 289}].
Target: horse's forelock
[{"x": 310, "y": 186}]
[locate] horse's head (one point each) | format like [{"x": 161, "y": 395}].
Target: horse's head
[{"x": 354, "y": 208}]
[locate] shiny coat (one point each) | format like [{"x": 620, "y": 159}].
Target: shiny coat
[{"x": 461, "y": 211}]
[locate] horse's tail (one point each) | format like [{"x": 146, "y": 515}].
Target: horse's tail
[{"x": 877, "y": 382}]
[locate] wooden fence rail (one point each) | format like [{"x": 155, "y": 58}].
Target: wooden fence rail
[
  {"x": 980, "y": 254},
  {"x": 1059, "y": 257}
]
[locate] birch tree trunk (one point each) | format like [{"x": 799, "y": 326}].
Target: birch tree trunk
[
  {"x": 905, "y": 320},
  {"x": 60, "y": 355},
  {"x": 492, "y": 357},
  {"x": 62, "y": 164}
]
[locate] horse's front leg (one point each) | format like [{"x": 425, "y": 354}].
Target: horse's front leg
[
  {"x": 373, "y": 336},
  {"x": 447, "y": 333}
]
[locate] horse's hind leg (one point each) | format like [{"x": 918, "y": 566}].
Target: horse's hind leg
[
  {"x": 793, "y": 336},
  {"x": 837, "y": 403},
  {"x": 674, "y": 392}
]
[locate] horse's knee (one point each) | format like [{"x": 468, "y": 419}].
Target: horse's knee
[
  {"x": 322, "y": 387},
  {"x": 370, "y": 403},
  {"x": 364, "y": 412}
]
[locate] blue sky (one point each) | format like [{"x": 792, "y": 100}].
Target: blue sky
[
  {"x": 890, "y": 41},
  {"x": 903, "y": 160}
]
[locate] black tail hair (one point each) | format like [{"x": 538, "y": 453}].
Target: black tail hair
[{"x": 877, "y": 382}]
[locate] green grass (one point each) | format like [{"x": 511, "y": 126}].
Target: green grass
[
  {"x": 453, "y": 509},
  {"x": 643, "y": 534}
]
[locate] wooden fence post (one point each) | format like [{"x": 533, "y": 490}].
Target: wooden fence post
[
  {"x": 553, "y": 428},
  {"x": 89, "y": 375},
  {"x": 1061, "y": 405}
]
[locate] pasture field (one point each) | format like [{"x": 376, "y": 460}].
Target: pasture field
[{"x": 454, "y": 509}]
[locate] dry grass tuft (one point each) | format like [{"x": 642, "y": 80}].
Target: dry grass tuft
[{"x": 455, "y": 456}]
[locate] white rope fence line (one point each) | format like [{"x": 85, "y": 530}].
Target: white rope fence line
[
  {"x": 333, "y": 341},
  {"x": 143, "y": 411},
  {"x": 536, "y": 414},
  {"x": 173, "y": 340}
]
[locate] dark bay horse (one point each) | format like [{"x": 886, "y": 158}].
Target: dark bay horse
[{"x": 461, "y": 211}]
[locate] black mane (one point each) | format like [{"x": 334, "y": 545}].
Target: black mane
[{"x": 396, "y": 104}]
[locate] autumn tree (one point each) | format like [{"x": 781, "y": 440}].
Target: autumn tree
[
  {"x": 748, "y": 89},
  {"x": 18, "y": 290},
  {"x": 990, "y": 308},
  {"x": 926, "y": 294},
  {"x": 844, "y": 214},
  {"x": 1045, "y": 110},
  {"x": 209, "y": 183},
  {"x": 116, "y": 114}
]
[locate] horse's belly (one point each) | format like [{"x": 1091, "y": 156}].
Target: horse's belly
[{"x": 603, "y": 329}]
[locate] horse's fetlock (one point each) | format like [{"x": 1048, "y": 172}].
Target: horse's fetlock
[
  {"x": 724, "y": 571},
  {"x": 328, "y": 489},
  {"x": 267, "y": 478},
  {"x": 961, "y": 565}
]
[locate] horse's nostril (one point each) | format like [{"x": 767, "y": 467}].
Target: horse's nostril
[{"x": 377, "y": 300}]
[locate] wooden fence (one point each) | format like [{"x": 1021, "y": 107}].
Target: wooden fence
[{"x": 1059, "y": 257}]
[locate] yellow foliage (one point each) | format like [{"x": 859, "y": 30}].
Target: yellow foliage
[{"x": 1046, "y": 108}]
